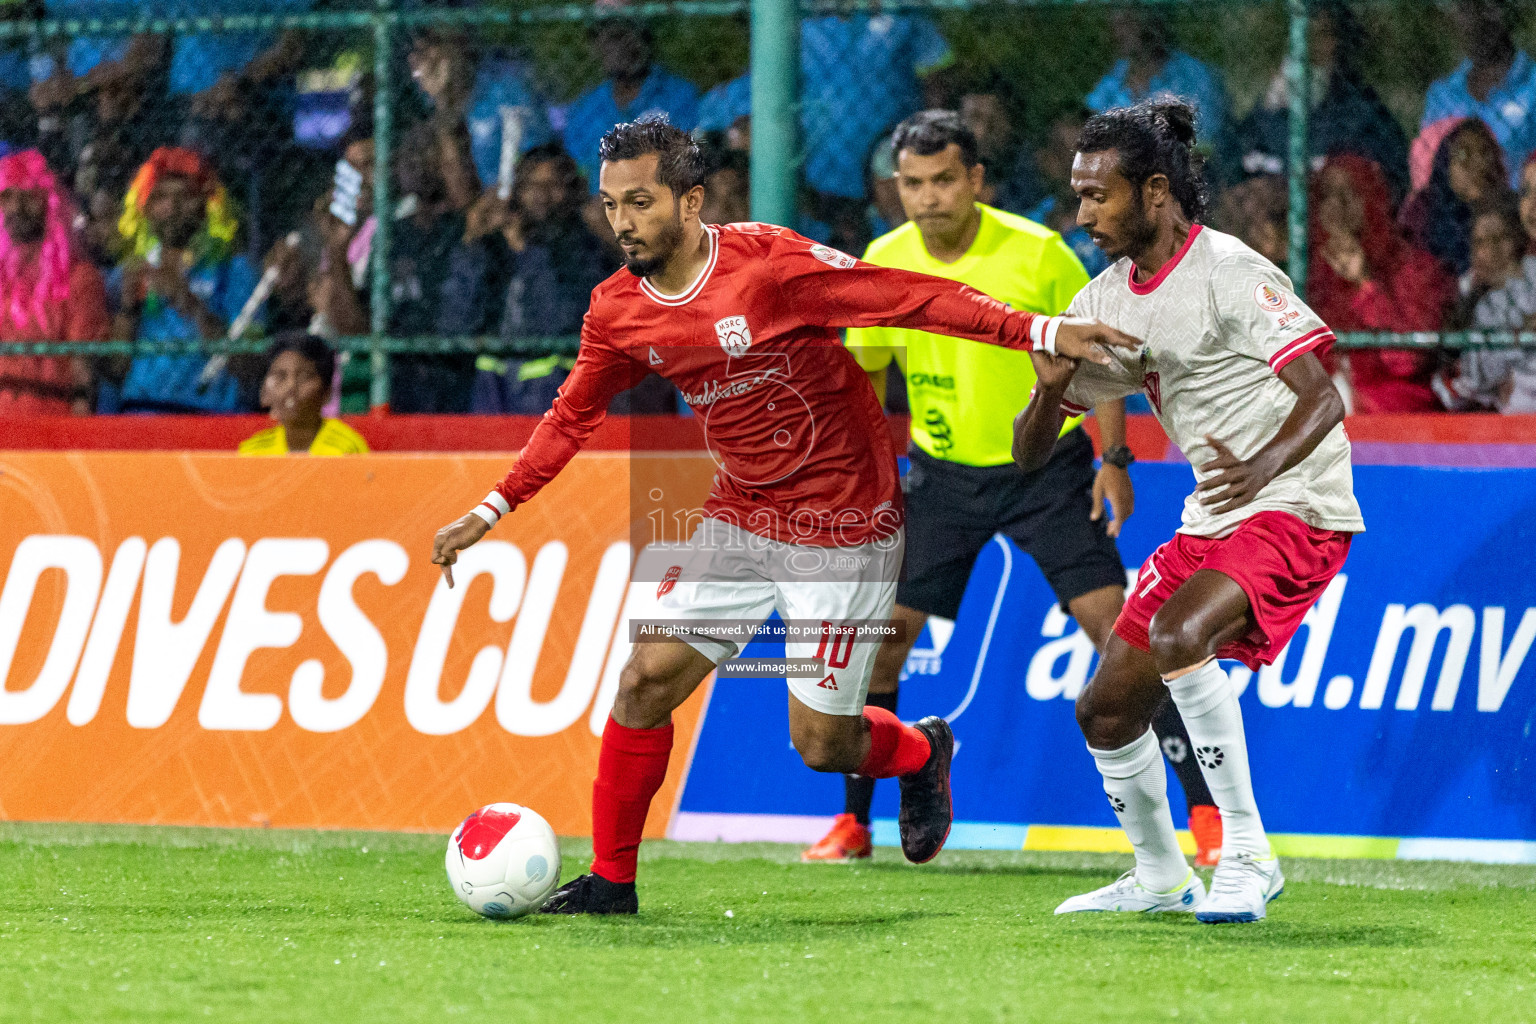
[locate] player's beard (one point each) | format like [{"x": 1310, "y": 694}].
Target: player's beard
[
  {"x": 1140, "y": 231},
  {"x": 667, "y": 242}
]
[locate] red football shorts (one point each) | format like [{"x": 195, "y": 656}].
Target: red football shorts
[{"x": 1282, "y": 564}]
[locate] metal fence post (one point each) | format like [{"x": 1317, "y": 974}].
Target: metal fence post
[
  {"x": 775, "y": 70},
  {"x": 383, "y": 205},
  {"x": 1298, "y": 76}
]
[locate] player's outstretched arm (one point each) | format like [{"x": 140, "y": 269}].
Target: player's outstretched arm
[
  {"x": 831, "y": 289},
  {"x": 455, "y": 537},
  {"x": 1235, "y": 482},
  {"x": 1036, "y": 428}
]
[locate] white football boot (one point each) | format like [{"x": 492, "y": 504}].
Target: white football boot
[
  {"x": 1127, "y": 895},
  {"x": 1241, "y": 888}
]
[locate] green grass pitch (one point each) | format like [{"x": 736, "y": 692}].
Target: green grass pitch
[{"x": 166, "y": 924}]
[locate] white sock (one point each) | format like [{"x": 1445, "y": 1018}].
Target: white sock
[
  {"x": 1215, "y": 723},
  {"x": 1137, "y": 785}
]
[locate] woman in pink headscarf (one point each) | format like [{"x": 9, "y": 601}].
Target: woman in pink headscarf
[{"x": 47, "y": 293}]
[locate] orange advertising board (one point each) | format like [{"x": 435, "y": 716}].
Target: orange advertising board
[{"x": 209, "y": 640}]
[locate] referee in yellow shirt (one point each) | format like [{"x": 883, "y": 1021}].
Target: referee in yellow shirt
[{"x": 962, "y": 487}]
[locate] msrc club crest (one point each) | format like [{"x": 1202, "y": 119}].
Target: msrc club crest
[{"x": 734, "y": 334}]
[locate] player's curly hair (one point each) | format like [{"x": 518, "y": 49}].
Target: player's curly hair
[
  {"x": 1155, "y": 136},
  {"x": 680, "y": 163}
]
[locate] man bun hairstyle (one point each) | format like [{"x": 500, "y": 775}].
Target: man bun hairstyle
[
  {"x": 934, "y": 131},
  {"x": 680, "y": 163},
  {"x": 1155, "y": 136}
]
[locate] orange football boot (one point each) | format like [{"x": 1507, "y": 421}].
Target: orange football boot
[
  {"x": 848, "y": 840},
  {"x": 1205, "y": 826}
]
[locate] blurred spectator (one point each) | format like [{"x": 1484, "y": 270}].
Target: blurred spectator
[
  {"x": 1013, "y": 181},
  {"x": 727, "y": 189},
  {"x": 1497, "y": 242},
  {"x": 422, "y": 267},
  {"x": 345, "y": 228},
  {"x": 181, "y": 281},
  {"x": 726, "y": 110},
  {"x": 1501, "y": 379},
  {"x": 102, "y": 175},
  {"x": 1364, "y": 276},
  {"x": 860, "y": 74},
  {"x": 236, "y": 90},
  {"x": 1149, "y": 65},
  {"x": 1257, "y": 212},
  {"x": 632, "y": 87},
  {"x": 93, "y": 87},
  {"x": 211, "y": 68},
  {"x": 1467, "y": 168},
  {"x": 46, "y": 293},
  {"x": 530, "y": 270},
  {"x": 1494, "y": 82},
  {"x": 297, "y": 383},
  {"x": 1058, "y": 210},
  {"x": 1347, "y": 115},
  {"x": 487, "y": 96}
]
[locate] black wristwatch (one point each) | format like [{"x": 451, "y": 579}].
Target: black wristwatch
[{"x": 1120, "y": 457}]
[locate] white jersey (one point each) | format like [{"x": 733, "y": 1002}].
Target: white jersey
[{"x": 1219, "y": 321}]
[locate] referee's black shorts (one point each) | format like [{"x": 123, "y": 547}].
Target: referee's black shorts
[{"x": 953, "y": 510}]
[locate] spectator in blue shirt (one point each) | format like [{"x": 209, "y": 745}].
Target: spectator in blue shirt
[
  {"x": 202, "y": 60},
  {"x": 484, "y": 93},
  {"x": 860, "y": 74},
  {"x": 182, "y": 282},
  {"x": 1150, "y": 66},
  {"x": 726, "y": 110},
  {"x": 1495, "y": 82},
  {"x": 97, "y": 86},
  {"x": 632, "y": 87}
]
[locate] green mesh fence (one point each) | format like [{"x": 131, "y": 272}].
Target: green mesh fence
[{"x": 394, "y": 178}]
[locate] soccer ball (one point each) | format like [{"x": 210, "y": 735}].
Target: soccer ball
[{"x": 503, "y": 861}]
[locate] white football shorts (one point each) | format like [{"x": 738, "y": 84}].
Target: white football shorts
[{"x": 726, "y": 575}]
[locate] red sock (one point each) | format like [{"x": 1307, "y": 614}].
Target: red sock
[
  {"x": 894, "y": 749},
  {"x": 630, "y": 768}
]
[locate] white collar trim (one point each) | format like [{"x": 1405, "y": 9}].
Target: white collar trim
[{"x": 699, "y": 282}]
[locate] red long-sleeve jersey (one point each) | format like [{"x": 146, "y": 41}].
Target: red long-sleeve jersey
[{"x": 804, "y": 452}]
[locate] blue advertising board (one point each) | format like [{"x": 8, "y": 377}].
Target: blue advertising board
[{"x": 1399, "y": 721}]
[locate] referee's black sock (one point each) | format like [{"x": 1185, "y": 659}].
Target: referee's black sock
[{"x": 859, "y": 792}]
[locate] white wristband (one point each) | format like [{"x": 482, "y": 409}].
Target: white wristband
[
  {"x": 1048, "y": 339},
  {"x": 492, "y": 508}
]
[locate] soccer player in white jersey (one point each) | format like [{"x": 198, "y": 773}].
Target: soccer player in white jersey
[{"x": 1230, "y": 369}]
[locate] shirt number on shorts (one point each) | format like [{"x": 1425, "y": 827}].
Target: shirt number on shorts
[
  {"x": 841, "y": 643},
  {"x": 1153, "y": 578}
]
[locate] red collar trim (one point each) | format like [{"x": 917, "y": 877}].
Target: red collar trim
[{"x": 1167, "y": 268}]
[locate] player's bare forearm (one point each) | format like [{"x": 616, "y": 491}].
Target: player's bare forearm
[
  {"x": 1036, "y": 428},
  {"x": 1111, "y": 419},
  {"x": 1319, "y": 408},
  {"x": 1233, "y": 482}
]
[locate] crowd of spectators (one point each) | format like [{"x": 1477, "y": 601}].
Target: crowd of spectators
[{"x": 216, "y": 185}]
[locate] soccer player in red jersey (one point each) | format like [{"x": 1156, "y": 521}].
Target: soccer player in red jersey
[{"x": 805, "y": 513}]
